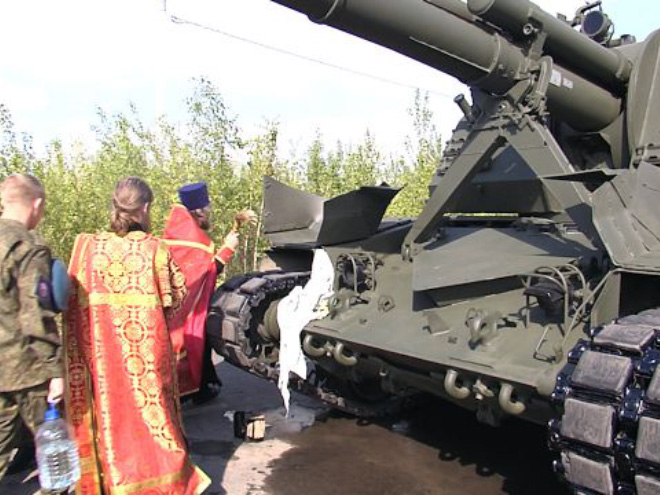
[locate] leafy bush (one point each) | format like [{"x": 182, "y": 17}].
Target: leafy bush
[{"x": 79, "y": 183}]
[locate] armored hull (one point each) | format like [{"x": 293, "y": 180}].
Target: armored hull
[{"x": 528, "y": 286}]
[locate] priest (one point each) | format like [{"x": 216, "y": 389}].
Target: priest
[{"x": 186, "y": 234}]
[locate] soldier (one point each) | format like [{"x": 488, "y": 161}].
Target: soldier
[{"x": 31, "y": 370}]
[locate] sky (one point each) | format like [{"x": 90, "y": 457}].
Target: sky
[{"x": 62, "y": 59}]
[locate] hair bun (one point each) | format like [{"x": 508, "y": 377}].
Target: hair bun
[{"x": 130, "y": 196}]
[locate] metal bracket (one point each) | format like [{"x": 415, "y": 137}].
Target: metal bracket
[{"x": 482, "y": 324}]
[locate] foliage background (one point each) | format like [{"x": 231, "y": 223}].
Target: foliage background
[{"x": 79, "y": 183}]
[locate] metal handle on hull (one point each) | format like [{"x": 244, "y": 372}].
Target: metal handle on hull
[
  {"x": 452, "y": 389},
  {"x": 310, "y": 348},
  {"x": 507, "y": 404},
  {"x": 342, "y": 358}
]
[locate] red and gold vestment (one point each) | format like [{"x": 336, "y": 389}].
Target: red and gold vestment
[
  {"x": 194, "y": 252},
  {"x": 122, "y": 398}
]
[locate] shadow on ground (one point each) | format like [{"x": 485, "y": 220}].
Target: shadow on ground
[{"x": 437, "y": 449}]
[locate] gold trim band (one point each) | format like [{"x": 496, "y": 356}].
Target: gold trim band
[
  {"x": 196, "y": 245},
  {"x": 167, "y": 479},
  {"x": 149, "y": 300}
]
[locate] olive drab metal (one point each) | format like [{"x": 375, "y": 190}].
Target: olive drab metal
[{"x": 529, "y": 285}]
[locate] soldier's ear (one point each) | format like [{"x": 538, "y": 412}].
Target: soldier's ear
[{"x": 36, "y": 213}]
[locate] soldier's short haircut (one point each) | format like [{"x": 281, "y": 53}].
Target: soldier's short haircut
[{"x": 22, "y": 188}]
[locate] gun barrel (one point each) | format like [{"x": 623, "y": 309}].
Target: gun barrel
[
  {"x": 439, "y": 33},
  {"x": 574, "y": 50},
  {"x": 426, "y": 32}
]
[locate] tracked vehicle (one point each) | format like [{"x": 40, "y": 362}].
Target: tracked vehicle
[{"x": 529, "y": 285}]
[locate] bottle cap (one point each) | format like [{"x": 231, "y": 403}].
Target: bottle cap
[{"x": 52, "y": 413}]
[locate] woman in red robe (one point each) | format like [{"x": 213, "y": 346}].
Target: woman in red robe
[{"x": 122, "y": 399}]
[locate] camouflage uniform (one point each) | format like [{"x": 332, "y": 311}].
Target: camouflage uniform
[{"x": 29, "y": 339}]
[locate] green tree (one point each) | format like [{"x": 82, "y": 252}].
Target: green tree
[
  {"x": 316, "y": 174},
  {"x": 16, "y": 153},
  {"x": 423, "y": 149},
  {"x": 215, "y": 133},
  {"x": 360, "y": 168},
  {"x": 209, "y": 148},
  {"x": 262, "y": 161}
]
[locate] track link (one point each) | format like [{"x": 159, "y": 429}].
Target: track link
[
  {"x": 238, "y": 308},
  {"x": 608, "y": 436}
]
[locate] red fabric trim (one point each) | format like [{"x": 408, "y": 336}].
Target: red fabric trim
[
  {"x": 182, "y": 226},
  {"x": 225, "y": 255}
]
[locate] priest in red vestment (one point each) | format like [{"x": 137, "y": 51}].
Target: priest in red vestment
[
  {"x": 122, "y": 394},
  {"x": 186, "y": 234}
]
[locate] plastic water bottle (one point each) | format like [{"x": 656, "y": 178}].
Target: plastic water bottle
[{"x": 57, "y": 454}]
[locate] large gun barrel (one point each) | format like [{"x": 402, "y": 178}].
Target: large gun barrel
[
  {"x": 444, "y": 35},
  {"x": 574, "y": 50}
]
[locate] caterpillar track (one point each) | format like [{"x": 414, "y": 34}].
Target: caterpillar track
[
  {"x": 239, "y": 312},
  {"x": 608, "y": 438}
]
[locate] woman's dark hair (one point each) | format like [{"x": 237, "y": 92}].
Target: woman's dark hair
[{"x": 128, "y": 200}]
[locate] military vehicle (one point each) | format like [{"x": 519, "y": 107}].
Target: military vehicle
[{"x": 529, "y": 285}]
